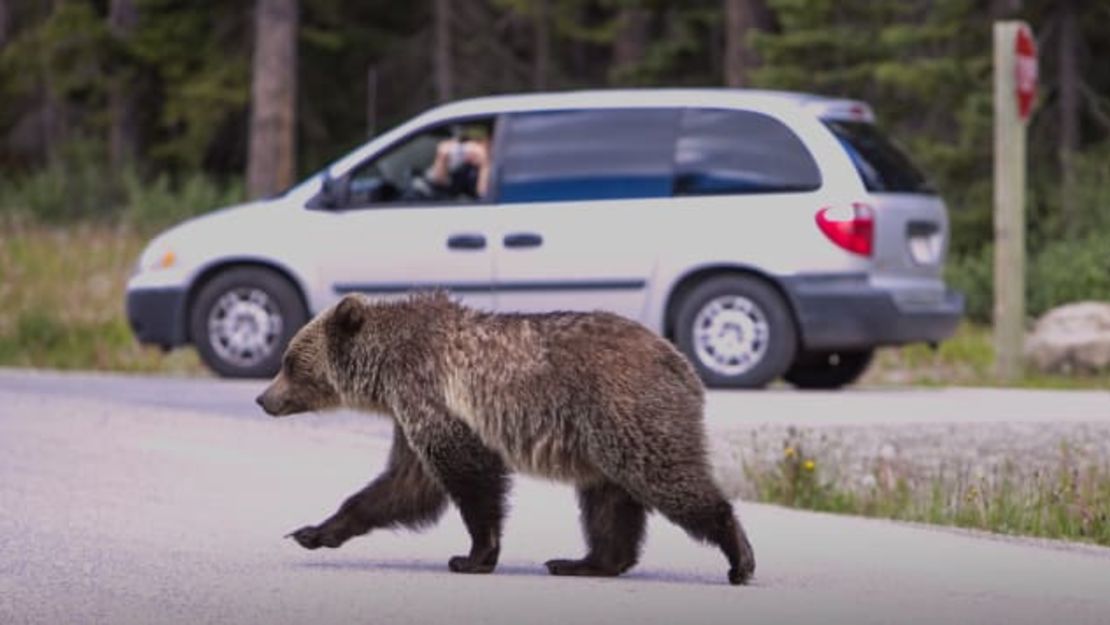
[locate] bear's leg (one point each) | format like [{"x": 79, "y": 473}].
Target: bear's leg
[
  {"x": 480, "y": 497},
  {"x": 473, "y": 475},
  {"x": 404, "y": 494},
  {"x": 716, "y": 523},
  {"x": 614, "y": 524}
]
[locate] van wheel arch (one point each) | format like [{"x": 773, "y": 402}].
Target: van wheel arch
[
  {"x": 209, "y": 273},
  {"x": 687, "y": 283}
]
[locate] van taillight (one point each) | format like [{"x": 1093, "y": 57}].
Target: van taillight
[{"x": 852, "y": 229}]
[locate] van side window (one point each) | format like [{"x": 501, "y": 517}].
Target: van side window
[
  {"x": 737, "y": 152},
  {"x": 588, "y": 155}
]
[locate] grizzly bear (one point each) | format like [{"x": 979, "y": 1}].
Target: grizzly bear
[{"x": 593, "y": 399}]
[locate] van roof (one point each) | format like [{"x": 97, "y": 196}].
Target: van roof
[{"x": 821, "y": 106}]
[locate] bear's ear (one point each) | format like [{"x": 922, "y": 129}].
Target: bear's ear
[{"x": 349, "y": 315}]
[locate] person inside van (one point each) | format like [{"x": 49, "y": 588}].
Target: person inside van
[{"x": 462, "y": 164}]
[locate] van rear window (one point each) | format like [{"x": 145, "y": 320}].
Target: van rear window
[
  {"x": 737, "y": 152},
  {"x": 883, "y": 167}
]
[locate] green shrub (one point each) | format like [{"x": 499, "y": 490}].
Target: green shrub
[
  {"x": 1069, "y": 271},
  {"x": 973, "y": 275},
  {"x": 1064, "y": 271},
  {"x": 159, "y": 202},
  {"x": 77, "y": 188}
]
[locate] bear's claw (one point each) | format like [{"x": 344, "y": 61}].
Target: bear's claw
[{"x": 311, "y": 537}]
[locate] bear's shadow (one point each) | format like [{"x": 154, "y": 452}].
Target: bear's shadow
[{"x": 516, "y": 570}]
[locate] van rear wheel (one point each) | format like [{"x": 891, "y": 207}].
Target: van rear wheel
[
  {"x": 242, "y": 319},
  {"x": 828, "y": 370},
  {"x": 737, "y": 332}
]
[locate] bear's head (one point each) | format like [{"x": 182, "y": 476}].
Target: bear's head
[{"x": 310, "y": 378}]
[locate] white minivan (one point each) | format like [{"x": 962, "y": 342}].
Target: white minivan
[{"x": 767, "y": 234}]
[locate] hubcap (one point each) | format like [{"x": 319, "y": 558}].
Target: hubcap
[
  {"x": 244, "y": 325},
  {"x": 730, "y": 335}
]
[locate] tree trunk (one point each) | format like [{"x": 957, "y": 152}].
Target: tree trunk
[
  {"x": 631, "y": 42},
  {"x": 1067, "y": 60},
  {"x": 443, "y": 70},
  {"x": 542, "y": 59},
  {"x": 271, "y": 161},
  {"x": 5, "y": 20},
  {"x": 53, "y": 115},
  {"x": 123, "y": 16},
  {"x": 742, "y": 17}
]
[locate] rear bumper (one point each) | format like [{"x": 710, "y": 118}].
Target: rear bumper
[
  {"x": 157, "y": 316},
  {"x": 847, "y": 312}
]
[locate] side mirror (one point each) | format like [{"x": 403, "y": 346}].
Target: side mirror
[{"x": 330, "y": 195}]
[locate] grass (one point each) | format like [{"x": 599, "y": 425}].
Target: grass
[
  {"x": 1069, "y": 501},
  {"x": 62, "y": 299}
]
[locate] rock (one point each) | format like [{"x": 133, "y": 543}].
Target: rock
[{"x": 1073, "y": 337}]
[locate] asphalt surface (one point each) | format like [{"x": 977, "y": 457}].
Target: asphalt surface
[{"x": 144, "y": 500}]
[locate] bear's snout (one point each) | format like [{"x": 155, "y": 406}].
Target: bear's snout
[{"x": 270, "y": 405}]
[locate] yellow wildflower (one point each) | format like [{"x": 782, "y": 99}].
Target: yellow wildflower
[
  {"x": 809, "y": 465},
  {"x": 972, "y": 494}
]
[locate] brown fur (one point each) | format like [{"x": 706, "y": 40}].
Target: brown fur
[{"x": 587, "y": 398}]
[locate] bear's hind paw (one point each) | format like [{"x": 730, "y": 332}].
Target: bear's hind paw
[{"x": 737, "y": 577}]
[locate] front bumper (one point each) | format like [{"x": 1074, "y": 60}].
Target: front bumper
[
  {"x": 158, "y": 316},
  {"x": 847, "y": 312}
]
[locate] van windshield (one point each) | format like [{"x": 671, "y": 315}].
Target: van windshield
[{"x": 883, "y": 167}]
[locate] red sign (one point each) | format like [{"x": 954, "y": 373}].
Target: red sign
[{"x": 1025, "y": 71}]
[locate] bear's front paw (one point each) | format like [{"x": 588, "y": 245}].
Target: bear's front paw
[
  {"x": 312, "y": 537},
  {"x": 466, "y": 564},
  {"x": 585, "y": 567}
]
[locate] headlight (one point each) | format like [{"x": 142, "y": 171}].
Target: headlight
[{"x": 156, "y": 257}]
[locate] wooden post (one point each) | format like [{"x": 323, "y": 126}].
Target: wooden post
[{"x": 1009, "y": 208}]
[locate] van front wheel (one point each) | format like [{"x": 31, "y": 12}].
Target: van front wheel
[
  {"x": 737, "y": 332},
  {"x": 242, "y": 319}
]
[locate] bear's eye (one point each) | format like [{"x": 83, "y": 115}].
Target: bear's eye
[{"x": 290, "y": 366}]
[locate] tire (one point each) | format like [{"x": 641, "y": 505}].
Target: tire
[
  {"x": 242, "y": 319},
  {"x": 737, "y": 331},
  {"x": 829, "y": 370}
]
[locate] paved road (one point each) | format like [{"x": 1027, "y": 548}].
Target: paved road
[{"x": 135, "y": 500}]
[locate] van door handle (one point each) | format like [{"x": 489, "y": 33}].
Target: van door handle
[
  {"x": 523, "y": 239},
  {"x": 466, "y": 242}
]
